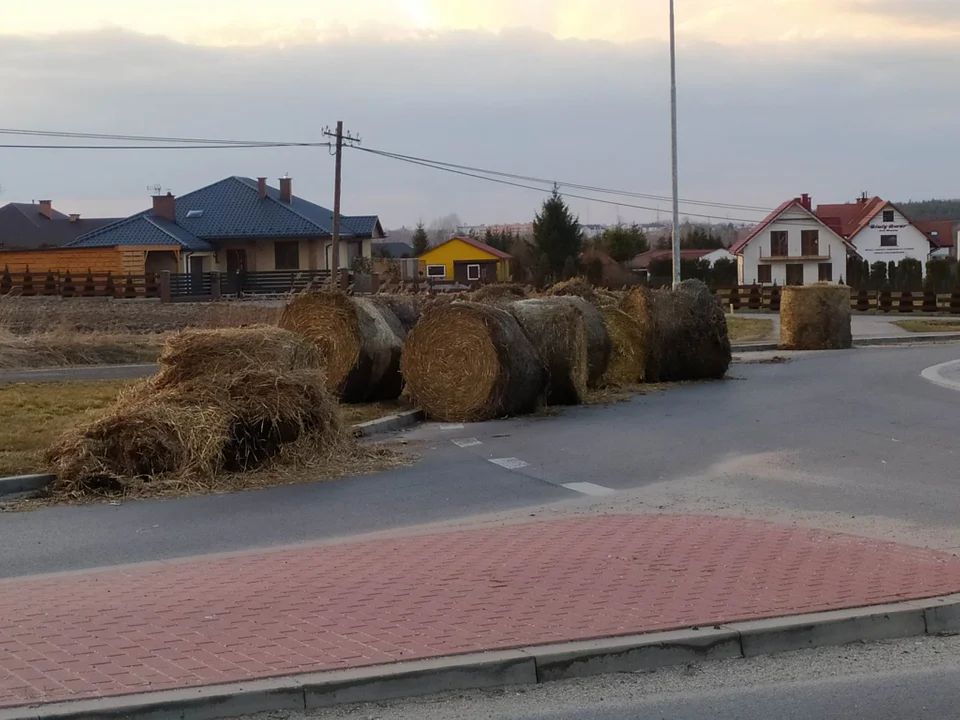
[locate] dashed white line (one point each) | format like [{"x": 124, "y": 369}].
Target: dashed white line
[
  {"x": 510, "y": 463},
  {"x": 466, "y": 442},
  {"x": 589, "y": 489}
]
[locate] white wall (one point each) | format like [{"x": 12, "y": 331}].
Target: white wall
[
  {"x": 793, "y": 222},
  {"x": 721, "y": 254},
  {"x": 911, "y": 243}
]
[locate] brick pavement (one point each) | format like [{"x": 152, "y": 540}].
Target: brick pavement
[{"x": 177, "y": 624}]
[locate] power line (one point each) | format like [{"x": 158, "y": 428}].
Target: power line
[
  {"x": 464, "y": 173},
  {"x": 149, "y": 138},
  {"x": 160, "y": 147},
  {"x": 576, "y": 186}
]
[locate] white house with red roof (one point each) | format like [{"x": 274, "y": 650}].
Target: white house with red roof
[
  {"x": 792, "y": 246},
  {"x": 880, "y": 231}
]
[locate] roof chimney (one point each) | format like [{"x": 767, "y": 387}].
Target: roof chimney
[
  {"x": 74, "y": 217},
  {"x": 286, "y": 190},
  {"x": 262, "y": 187},
  {"x": 46, "y": 209},
  {"x": 165, "y": 206},
  {"x": 806, "y": 202}
]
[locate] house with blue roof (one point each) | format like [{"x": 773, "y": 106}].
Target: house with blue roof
[{"x": 237, "y": 224}]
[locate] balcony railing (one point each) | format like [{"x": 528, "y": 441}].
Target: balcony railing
[{"x": 766, "y": 257}]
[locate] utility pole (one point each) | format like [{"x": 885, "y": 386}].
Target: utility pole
[
  {"x": 338, "y": 152},
  {"x": 673, "y": 127}
]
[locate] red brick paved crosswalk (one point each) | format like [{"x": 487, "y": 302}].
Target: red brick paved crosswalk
[{"x": 204, "y": 621}]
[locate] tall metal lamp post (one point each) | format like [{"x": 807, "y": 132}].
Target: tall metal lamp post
[{"x": 673, "y": 128}]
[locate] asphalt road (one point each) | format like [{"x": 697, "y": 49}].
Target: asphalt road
[
  {"x": 906, "y": 680},
  {"x": 852, "y": 440}
]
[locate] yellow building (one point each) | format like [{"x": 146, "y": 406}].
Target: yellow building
[{"x": 465, "y": 261}]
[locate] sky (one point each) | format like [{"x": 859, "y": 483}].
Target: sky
[{"x": 776, "y": 98}]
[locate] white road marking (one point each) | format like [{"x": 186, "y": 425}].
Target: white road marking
[
  {"x": 589, "y": 489},
  {"x": 935, "y": 375},
  {"x": 451, "y": 426},
  {"x": 466, "y": 442},
  {"x": 510, "y": 463}
]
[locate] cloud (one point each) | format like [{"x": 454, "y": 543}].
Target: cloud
[
  {"x": 758, "y": 124},
  {"x": 920, "y": 12}
]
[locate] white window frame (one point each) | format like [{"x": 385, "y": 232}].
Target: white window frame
[
  {"x": 441, "y": 276},
  {"x": 471, "y": 267}
]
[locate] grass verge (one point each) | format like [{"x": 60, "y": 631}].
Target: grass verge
[
  {"x": 745, "y": 330},
  {"x": 36, "y": 413},
  {"x": 928, "y": 325}
]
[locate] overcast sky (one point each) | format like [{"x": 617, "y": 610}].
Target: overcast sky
[{"x": 777, "y": 97}]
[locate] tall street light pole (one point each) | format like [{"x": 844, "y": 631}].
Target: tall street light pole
[{"x": 673, "y": 128}]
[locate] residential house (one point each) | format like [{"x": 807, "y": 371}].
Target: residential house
[
  {"x": 465, "y": 261},
  {"x": 237, "y": 224},
  {"x": 792, "y": 246},
  {"x": 943, "y": 234},
  {"x": 35, "y": 226},
  {"x": 640, "y": 265},
  {"x": 879, "y": 230}
]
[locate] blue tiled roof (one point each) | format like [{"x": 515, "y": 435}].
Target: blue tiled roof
[
  {"x": 360, "y": 225},
  {"x": 141, "y": 230},
  {"x": 232, "y": 208}
]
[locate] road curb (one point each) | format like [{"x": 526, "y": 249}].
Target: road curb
[
  {"x": 931, "y": 339},
  {"x": 32, "y": 483},
  {"x": 391, "y": 423},
  {"x": 526, "y": 666},
  {"x": 24, "y": 484}
]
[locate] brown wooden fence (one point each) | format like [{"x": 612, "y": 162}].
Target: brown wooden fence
[
  {"x": 755, "y": 297},
  {"x": 90, "y": 284}
]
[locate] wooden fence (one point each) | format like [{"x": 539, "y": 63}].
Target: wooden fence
[
  {"x": 755, "y": 297},
  {"x": 90, "y": 284}
]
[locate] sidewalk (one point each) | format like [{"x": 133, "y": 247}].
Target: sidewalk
[{"x": 206, "y": 621}]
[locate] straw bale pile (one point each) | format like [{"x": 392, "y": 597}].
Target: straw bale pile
[
  {"x": 359, "y": 339},
  {"x": 815, "y": 317},
  {"x": 467, "y": 362},
  {"x": 500, "y": 292},
  {"x": 191, "y": 426},
  {"x": 194, "y": 354},
  {"x": 576, "y": 287},
  {"x": 558, "y": 333}
]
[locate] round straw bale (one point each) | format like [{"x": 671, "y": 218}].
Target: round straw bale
[
  {"x": 500, "y": 291},
  {"x": 815, "y": 317},
  {"x": 628, "y": 349},
  {"x": 598, "y": 341},
  {"x": 690, "y": 339},
  {"x": 578, "y": 287},
  {"x": 193, "y": 354},
  {"x": 467, "y": 362},
  {"x": 407, "y": 308},
  {"x": 359, "y": 345},
  {"x": 558, "y": 333},
  {"x": 638, "y": 304}
]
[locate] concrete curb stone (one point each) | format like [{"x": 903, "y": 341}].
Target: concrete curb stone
[
  {"x": 526, "y": 666},
  {"x": 24, "y": 484},
  {"x": 934, "y": 339}
]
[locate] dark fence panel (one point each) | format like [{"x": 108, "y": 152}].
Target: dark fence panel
[{"x": 71, "y": 285}]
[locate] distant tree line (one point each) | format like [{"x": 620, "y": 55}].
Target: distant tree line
[{"x": 932, "y": 209}]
